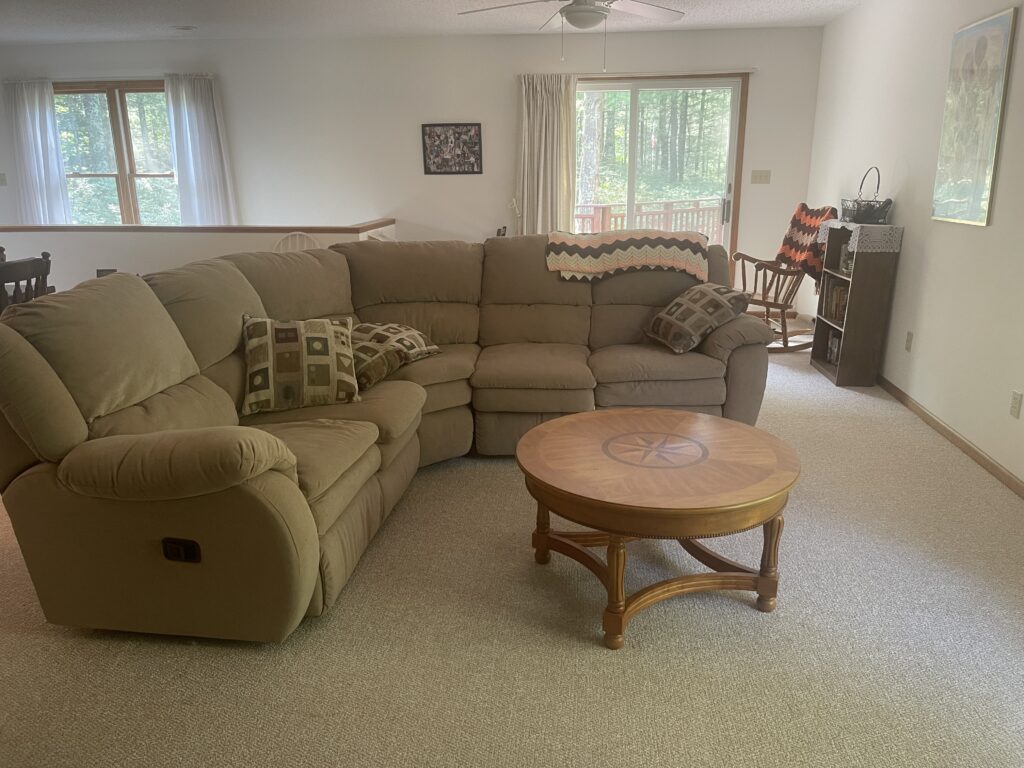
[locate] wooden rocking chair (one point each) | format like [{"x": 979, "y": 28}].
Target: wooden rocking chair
[{"x": 773, "y": 289}]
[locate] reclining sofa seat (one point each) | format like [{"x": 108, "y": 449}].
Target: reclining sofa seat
[
  {"x": 552, "y": 346},
  {"x": 435, "y": 288},
  {"x": 132, "y": 445},
  {"x": 354, "y": 460}
]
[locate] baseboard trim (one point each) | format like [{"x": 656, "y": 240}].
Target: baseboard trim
[{"x": 982, "y": 459}]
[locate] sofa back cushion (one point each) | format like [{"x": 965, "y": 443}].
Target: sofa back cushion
[
  {"x": 38, "y": 418},
  {"x": 433, "y": 287},
  {"x": 206, "y": 300},
  {"x": 718, "y": 266},
  {"x": 521, "y": 301},
  {"x": 625, "y": 303},
  {"x": 299, "y": 285},
  {"x": 194, "y": 403},
  {"x": 109, "y": 340}
]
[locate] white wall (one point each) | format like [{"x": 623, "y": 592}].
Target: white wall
[
  {"x": 883, "y": 78},
  {"x": 328, "y": 131},
  {"x": 77, "y": 255}
]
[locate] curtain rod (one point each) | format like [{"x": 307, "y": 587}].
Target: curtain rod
[{"x": 667, "y": 75}]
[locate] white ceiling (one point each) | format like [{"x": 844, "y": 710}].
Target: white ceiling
[{"x": 35, "y": 21}]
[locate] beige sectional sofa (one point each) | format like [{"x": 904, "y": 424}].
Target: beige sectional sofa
[{"x": 141, "y": 501}]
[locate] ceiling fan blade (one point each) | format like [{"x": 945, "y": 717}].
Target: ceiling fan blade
[
  {"x": 507, "y": 5},
  {"x": 549, "y": 20},
  {"x": 647, "y": 10}
]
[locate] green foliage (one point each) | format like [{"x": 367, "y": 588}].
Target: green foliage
[
  {"x": 158, "y": 201},
  {"x": 682, "y": 147},
  {"x": 87, "y": 146},
  {"x": 85, "y": 139}
]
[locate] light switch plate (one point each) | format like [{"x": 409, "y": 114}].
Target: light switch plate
[
  {"x": 3, "y": 179},
  {"x": 910, "y": 341},
  {"x": 1015, "y": 402},
  {"x": 760, "y": 177}
]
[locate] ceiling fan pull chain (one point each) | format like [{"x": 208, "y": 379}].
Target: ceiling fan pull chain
[{"x": 604, "y": 63}]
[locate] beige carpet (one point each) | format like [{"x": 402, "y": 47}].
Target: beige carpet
[{"x": 898, "y": 641}]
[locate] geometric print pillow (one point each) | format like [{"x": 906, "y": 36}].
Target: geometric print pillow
[
  {"x": 695, "y": 313},
  {"x": 298, "y": 363},
  {"x": 413, "y": 344},
  {"x": 375, "y": 362}
]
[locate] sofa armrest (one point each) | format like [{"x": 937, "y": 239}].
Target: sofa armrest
[
  {"x": 738, "y": 332},
  {"x": 175, "y": 464}
]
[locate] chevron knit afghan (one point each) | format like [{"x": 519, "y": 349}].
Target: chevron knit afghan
[
  {"x": 800, "y": 247},
  {"x": 591, "y": 256}
]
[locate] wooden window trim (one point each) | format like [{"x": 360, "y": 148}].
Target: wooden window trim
[{"x": 120, "y": 129}]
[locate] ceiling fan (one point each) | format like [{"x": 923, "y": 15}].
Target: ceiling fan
[{"x": 587, "y": 14}]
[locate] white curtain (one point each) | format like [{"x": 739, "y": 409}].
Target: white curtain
[
  {"x": 198, "y": 140},
  {"x": 546, "y": 181},
  {"x": 42, "y": 190}
]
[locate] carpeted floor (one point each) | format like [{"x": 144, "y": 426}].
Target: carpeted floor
[{"x": 898, "y": 641}]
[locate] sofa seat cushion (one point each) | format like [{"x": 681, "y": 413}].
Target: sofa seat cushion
[
  {"x": 528, "y": 365},
  {"x": 334, "y": 459},
  {"x": 650, "y": 362},
  {"x": 448, "y": 394},
  {"x": 455, "y": 362},
  {"x": 533, "y": 400},
  {"x": 695, "y": 392},
  {"x": 392, "y": 405}
]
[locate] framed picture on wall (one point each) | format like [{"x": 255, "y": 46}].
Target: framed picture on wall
[
  {"x": 452, "y": 148},
  {"x": 969, "y": 146}
]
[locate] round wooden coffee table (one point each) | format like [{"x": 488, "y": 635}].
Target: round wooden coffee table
[{"x": 650, "y": 473}]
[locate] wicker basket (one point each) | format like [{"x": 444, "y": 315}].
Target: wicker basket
[{"x": 861, "y": 211}]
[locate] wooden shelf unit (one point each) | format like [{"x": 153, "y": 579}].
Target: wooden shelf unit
[{"x": 857, "y": 331}]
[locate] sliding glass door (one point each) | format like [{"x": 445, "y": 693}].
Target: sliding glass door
[{"x": 657, "y": 154}]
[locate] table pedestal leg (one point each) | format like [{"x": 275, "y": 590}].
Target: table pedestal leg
[
  {"x": 542, "y": 553},
  {"x": 768, "y": 583},
  {"x": 614, "y": 615}
]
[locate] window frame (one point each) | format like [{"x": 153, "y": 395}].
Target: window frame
[
  {"x": 120, "y": 130},
  {"x": 740, "y": 81}
]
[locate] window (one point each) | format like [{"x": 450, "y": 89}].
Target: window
[
  {"x": 115, "y": 140},
  {"x": 657, "y": 154}
]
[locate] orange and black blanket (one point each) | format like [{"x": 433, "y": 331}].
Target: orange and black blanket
[
  {"x": 591, "y": 256},
  {"x": 800, "y": 247}
]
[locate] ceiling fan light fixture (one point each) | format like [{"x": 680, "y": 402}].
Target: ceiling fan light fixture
[{"x": 584, "y": 16}]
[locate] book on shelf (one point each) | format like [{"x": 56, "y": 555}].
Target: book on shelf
[
  {"x": 836, "y": 298},
  {"x": 835, "y": 343}
]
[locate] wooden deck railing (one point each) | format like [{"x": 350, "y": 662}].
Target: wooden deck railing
[{"x": 703, "y": 215}]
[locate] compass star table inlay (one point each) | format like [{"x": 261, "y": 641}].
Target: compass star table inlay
[
  {"x": 654, "y": 449},
  {"x": 632, "y": 473}
]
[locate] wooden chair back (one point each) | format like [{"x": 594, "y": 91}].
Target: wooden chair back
[
  {"x": 27, "y": 277},
  {"x": 772, "y": 287},
  {"x": 297, "y": 241},
  {"x": 772, "y": 284}
]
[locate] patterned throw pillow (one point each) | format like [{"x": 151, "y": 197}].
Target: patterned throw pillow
[
  {"x": 375, "y": 362},
  {"x": 695, "y": 313},
  {"x": 298, "y": 363},
  {"x": 413, "y": 344}
]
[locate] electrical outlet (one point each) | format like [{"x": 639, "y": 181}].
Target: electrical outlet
[
  {"x": 760, "y": 177},
  {"x": 1015, "y": 403},
  {"x": 910, "y": 341}
]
